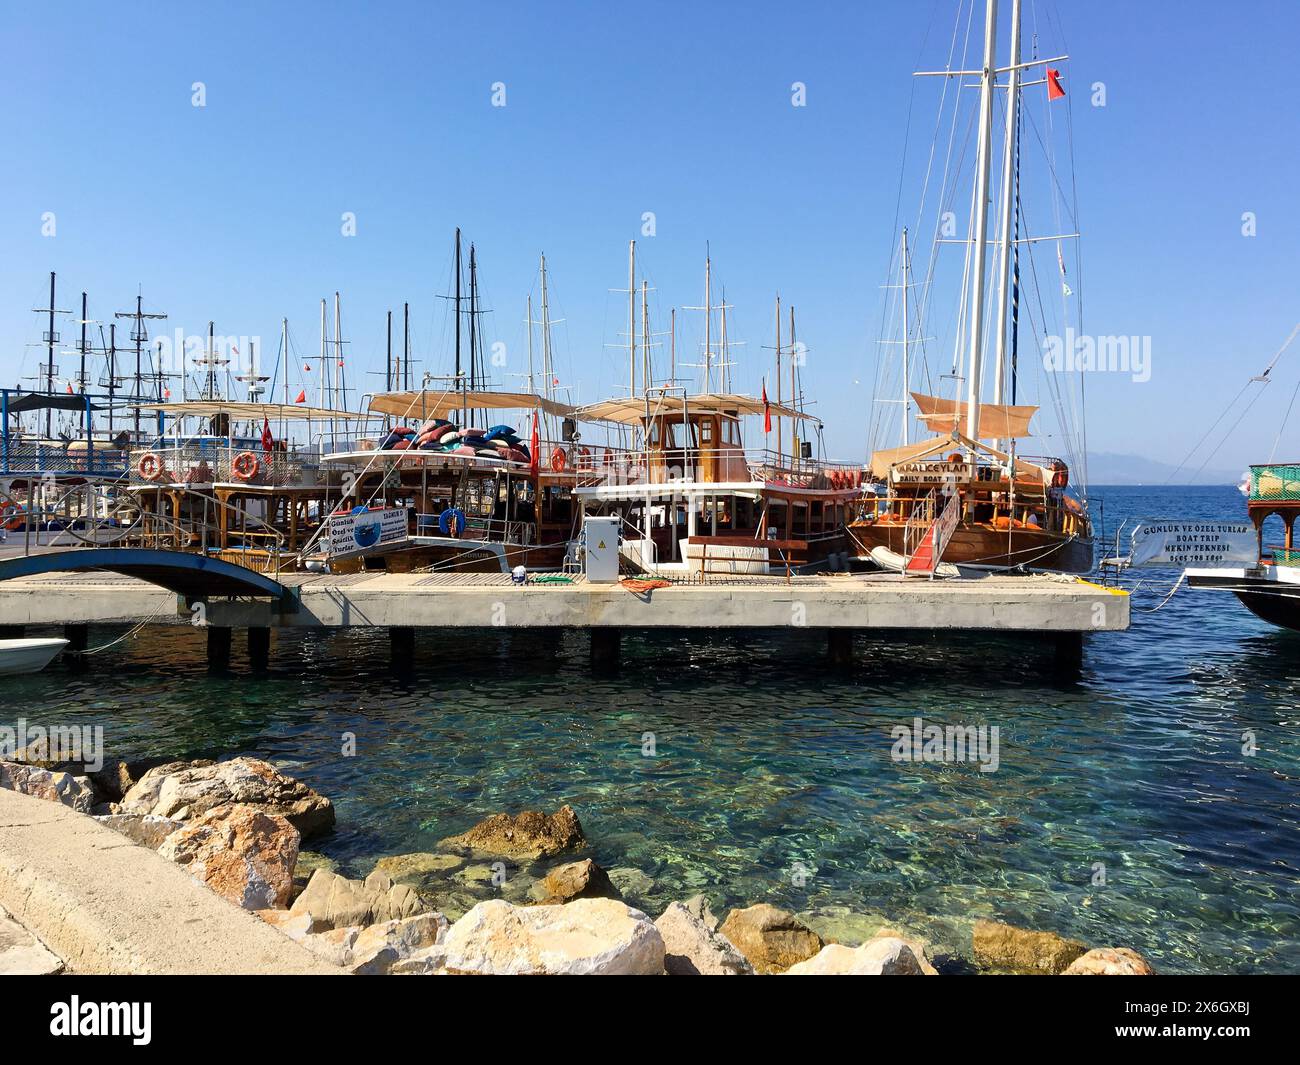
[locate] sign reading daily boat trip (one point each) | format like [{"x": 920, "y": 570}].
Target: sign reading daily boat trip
[
  {"x": 1193, "y": 543},
  {"x": 350, "y": 533},
  {"x": 932, "y": 472}
]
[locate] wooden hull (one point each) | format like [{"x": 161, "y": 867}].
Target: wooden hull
[{"x": 975, "y": 545}]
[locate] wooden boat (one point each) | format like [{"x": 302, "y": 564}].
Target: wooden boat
[{"x": 1014, "y": 513}]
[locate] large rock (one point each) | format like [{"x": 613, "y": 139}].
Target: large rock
[
  {"x": 378, "y": 948},
  {"x": 880, "y": 957},
  {"x": 771, "y": 939},
  {"x": 919, "y": 948},
  {"x": 184, "y": 790},
  {"x": 576, "y": 880},
  {"x": 1110, "y": 961},
  {"x": 334, "y": 901},
  {"x": 692, "y": 948},
  {"x": 148, "y": 830},
  {"x": 22, "y": 954},
  {"x": 420, "y": 867},
  {"x": 529, "y": 835},
  {"x": 51, "y": 785},
  {"x": 585, "y": 937},
  {"x": 1002, "y": 946},
  {"x": 243, "y": 853}
]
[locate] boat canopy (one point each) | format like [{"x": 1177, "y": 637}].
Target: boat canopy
[
  {"x": 435, "y": 403},
  {"x": 29, "y": 401},
  {"x": 883, "y": 461},
  {"x": 633, "y": 411},
  {"x": 208, "y": 408},
  {"x": 998, "y": 421}
]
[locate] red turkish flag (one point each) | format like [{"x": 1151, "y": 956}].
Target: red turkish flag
[
  {"x": 534, "y": 446},
  {"x": 1054, "y": 88},
  {"x": 767, "y": 411},
  {"x": 302, "y": 397},
  {"x": 69, "y": 388},
  {"x": 267, "y": 438}
]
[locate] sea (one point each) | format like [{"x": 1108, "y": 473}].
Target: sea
[{"x": 1148, "y": 801}]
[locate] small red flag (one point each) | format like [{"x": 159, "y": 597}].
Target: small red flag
[
  {"x": 534, "y": 446},
  {"x": 267, "y": 438},
  {"x": 69, "y": 388},
  {"x": 1054, "y": 89},
  {"x": 767, "y": 411},
  {"x": 167, "y": 393},
  {"x": 302, "y": 397}
]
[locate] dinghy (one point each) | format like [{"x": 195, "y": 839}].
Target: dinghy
[{"x": 28, "y": 656}]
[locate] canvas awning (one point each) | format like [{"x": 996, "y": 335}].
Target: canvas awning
[
  {"x": 247, "y": 411},
  {"x": 438, "y": 403},
  {"x": 998, "y": 421},
  {"x": 30, "y": 401},
  {"x": 883, "y": 461},
  {"x": 633, "y": 411}
]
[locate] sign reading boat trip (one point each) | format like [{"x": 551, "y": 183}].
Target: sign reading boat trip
[
  {"x": 1193, "y": 543},
  {"x": 932, "y": 472},
  {"x": 351, "y": 534}
]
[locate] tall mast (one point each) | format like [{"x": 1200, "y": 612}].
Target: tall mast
[
  {"x": 81, "y": 375},
  {"x": 473, "y": 320},
  {"x": 284, "y": 346},
  {"x": 49, "y": 362},
  {"x": 1008, "y": 201},
  {"x": 631, "y": 318},
  {"x": 457, "y": 298},
  {"x": 528, "y": 324},
  {"x": 323, "y": 367},
  {"x": 340, "y": 395},
  {"x": 672, "y": 347},
  {"x": 708, "y": 322},
  {"x": 779, "y": 437},
  {"x": 112, "y": 369},
  {"x": 907, "y": 395},
  {"x": 139, "y": 334},
  {"x": 548, "y": 385},
  {"x": 980, "y": 227},
  {"x": 794, "y": 404},
  {"x": 645, "y": 336},
  {"x": 406, "y": 345},
  {"x": 388, "y": 364}
]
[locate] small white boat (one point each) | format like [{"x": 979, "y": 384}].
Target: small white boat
[
  {"x": 28, "y": 656},
  {"x": 896, "y": 563}
]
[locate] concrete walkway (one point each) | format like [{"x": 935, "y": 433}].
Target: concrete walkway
[{"x": 106, "y": 905}]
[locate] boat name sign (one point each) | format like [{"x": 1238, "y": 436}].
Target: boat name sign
[
  {"x": 1193, "y": 543},
  {"x": 932, "y": 472}
]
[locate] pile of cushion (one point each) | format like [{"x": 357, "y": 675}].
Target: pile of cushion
[{"x": 438, "y": 434}]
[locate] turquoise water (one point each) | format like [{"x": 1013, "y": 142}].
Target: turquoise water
[{"x": 772, "y": 778}]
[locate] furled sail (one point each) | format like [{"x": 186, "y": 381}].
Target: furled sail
[{"x": 998, "y": 421}]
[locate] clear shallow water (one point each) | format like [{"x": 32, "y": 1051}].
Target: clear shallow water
[{"x": 773, "y": 779}]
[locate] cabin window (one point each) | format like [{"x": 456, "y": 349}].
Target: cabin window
[
  {"x": 653, "y": 437},
  {"x": 706, "y": 431}
]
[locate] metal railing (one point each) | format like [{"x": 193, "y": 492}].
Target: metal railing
[
  {"x": 20, "y": 458},
  {"x": 200, "y": 464},
  {"x": 1275, "y": 482},
  {"x": 614, "y": 465}
]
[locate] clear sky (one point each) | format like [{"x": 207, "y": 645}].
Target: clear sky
[{"x": 233, "y": 211}]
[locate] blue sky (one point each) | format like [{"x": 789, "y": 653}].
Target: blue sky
[{"x": 232, "y": 211}]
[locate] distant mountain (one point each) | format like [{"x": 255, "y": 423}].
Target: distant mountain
[{"x": 1105, "y": 467}]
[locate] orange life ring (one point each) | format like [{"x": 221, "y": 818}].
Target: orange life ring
[
  {"x": 245, "y": 466},
  {"x": 11, "y": 514},
  {"x": 558, "y": 460},
  {"x": 150, "y": 466},
  {"x": 1060, "y": 474}
]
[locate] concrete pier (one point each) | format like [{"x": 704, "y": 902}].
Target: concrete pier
[{"x": 1060, "y": 609}]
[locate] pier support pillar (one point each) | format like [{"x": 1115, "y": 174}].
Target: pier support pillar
[
  {"x": 78, "y": 637},
  {"x": 401, "y": 642},
  {"x": 1067, "y": 652},
  {"x": 839, "y": 646},
  {"x": 218, "y": 647},
  {"x": 259, "y": 647},
  {"x": 605, "y": 645}
]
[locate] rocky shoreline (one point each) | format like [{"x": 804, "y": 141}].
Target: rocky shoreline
[{"x": 509, "y": 896}]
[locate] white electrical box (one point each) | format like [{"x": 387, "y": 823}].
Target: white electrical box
[{"x": 601, "y": 537}]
